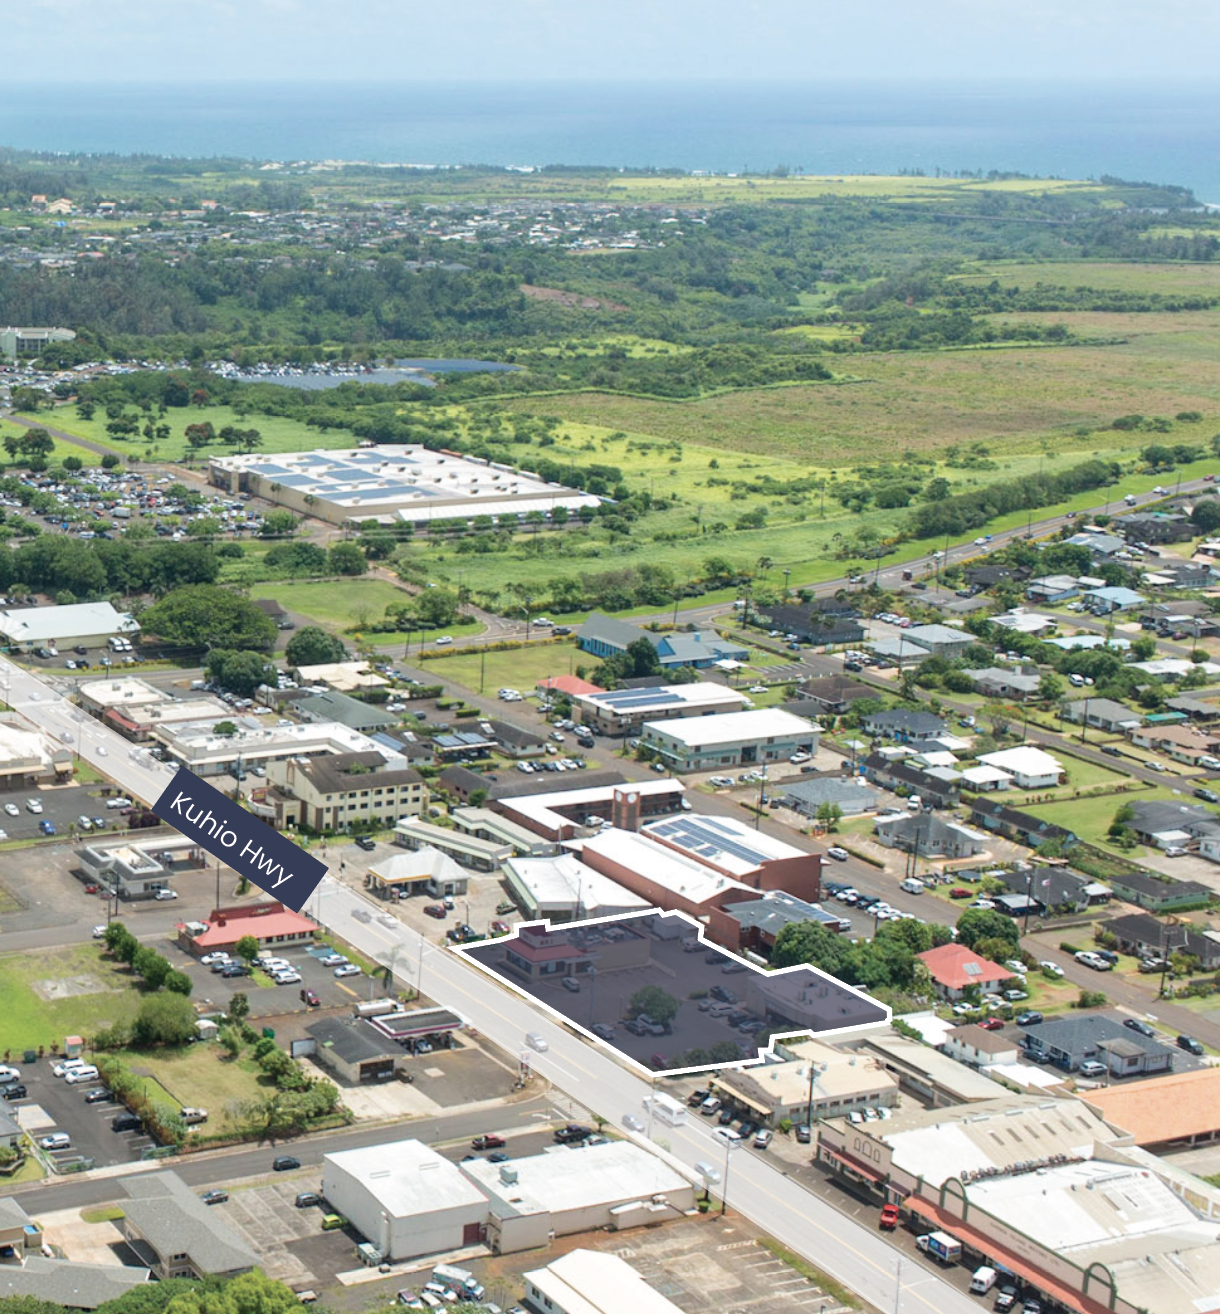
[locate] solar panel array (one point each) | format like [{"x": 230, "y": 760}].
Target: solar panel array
[{"x": 705, "y": 839}]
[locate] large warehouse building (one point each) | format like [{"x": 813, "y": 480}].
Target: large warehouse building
[{"x": 393, "y": 484}]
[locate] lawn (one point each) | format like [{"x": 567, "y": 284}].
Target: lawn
[
  {"x": 30, "y": 1020},
  {"x": 519, "y": 669},
  {"x": 1169, "y": 279},
  {"x": 335, "y": 603},
  {"x": 279, "y": 434},
  {"x": 1090, "y": 817},
  {"x": 199, "y": 1075}
]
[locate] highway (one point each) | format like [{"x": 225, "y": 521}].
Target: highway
[{"x": 757, "y": 1188}]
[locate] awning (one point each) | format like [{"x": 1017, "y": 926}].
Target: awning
[
  {"x": 984, "y": 1245},
  {"x": 870, "y": 1174},
  {"x": 737, "y": 1098}
]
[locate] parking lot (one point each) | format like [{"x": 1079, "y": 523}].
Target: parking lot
[{"x": 61, "y": 805}]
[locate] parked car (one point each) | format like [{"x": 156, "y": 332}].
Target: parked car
[
  {"x": 366, "y": 843},
  {"x": 1190, "y": 1045},
  {"x": 347, "y": 969},
  {"x": 1137, "y": 1024},
  {"x": 284, "y": 1163},
  {"x": 56, "y": 1141},
  {"x": 17, "y": 1092},
  {"x": 488, "y": 1142},
  {"x": 310, "y": 998},
  {"x": 216, "y": 1196},
  {"x": 889, "y": 1217},
  {"x": 1031, "y": 1017}
]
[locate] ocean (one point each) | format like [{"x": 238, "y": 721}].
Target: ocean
[{"x": 1168, "y": 134}]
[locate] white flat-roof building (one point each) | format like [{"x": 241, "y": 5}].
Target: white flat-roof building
[
  {"x": 1030, "y": 767},
  {"x": 563, "y": 1191},
  {"x": 468, "y": 850},
  {"x": 625, "y": 710},
  {"x": 564, "y": 889},
  {"x": 27, "y": 756},
  {"x": 345, "y": 677},
  {"x": 703, "y": 743},
  {"x": 485, "y": 824},
  {"x": 87, "y": 623},
  {"x": 562, "y": 814},
  {"x": 593, "y": 1282},
  {"x": 405, "y": 1198},
  {"x": 393, "y": 483},
  {"x": 196, "y": 745}
]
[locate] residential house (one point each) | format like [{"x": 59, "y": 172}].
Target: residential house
[
  {"x": 954, "y": 969},
  {"x": 1067, "y": 1042},
  {"x": 1155, "y": 527},
  {"x": 1105, "y": 601},
  {"x": 833, "y": 695},
  {"x": 1193, "y": 707},
  {"x": 1052, "y": 588},
  {"x": 987, "y": 577},
  {"x": 1157, "y": 894},
  {"x": 1144, "y": 936},
  {"x": 1166, "y": 824},
  {"x": 566, "y": 686},
  {"x": 942, "y": 640},
  {"x": 1100, "y": 546},
  {"x": 902, "y": 725},
  {"x": 1103, "y": 714},
  {"x": 899, "y": 651},
  {"x": 807, "y": 795},
  {"x": 1181, "y": 743},
  {"x": 1020, "y": 621},
  {"x": 1056, "y": 888},
  {"x": 1030, "y": 767},
  {"x": 1023, "y": 827},
  {"x": 996, "y": 682},
  {"x": 927, "y": 834},
  {"x": 515, "y": 741},
  {"x": 978, "y": 1048},
  {"x": 936, "y": 790}
]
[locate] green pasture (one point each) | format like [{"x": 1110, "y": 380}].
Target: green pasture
[
  {"x": 519, "y": 668},
  {"x": 28, "y": 1019},
  {"x": 1170, "y": 279}
]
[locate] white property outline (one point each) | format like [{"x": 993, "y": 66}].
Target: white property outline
[{"x": 762, "y": 1054}]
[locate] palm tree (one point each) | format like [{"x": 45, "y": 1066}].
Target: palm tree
[{"x": 764, "y": 565}]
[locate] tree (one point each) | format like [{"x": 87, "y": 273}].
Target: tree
[
  {"x": 642, "y": 659},
  {"x": 239, "y": 1005},
  {"x": 164, "y": 1019},
  {"x": 830, "y": 814},
  {"x": 1206, "y": 515},
  {"x": 1050, "y": 688},
  {"x": 977, "y": 924},
  {"x": 277, "y": 523},
  {"x": 239, "y": 672},
  {"x": 347, "y": 559},
  {"x": 199, "y": 616},
  {"x": 200, "y": 435},
  {"x": 178, "y": 982},
  {"x": 225, "y": 729},
  {"x": 246, "y": 948},
  {"x": 311, "y": 646},
  {"x": 73, "y": 463},
  {"x": 659, "y": 1004},
  {"x": 37, "y": 442}
]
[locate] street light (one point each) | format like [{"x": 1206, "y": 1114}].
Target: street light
[
  {"x": 814, "y": 1070},
  {"x": 729, "y": 1147}
]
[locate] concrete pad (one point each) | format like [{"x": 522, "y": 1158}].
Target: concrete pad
[{"x": 33, "y": 1118}]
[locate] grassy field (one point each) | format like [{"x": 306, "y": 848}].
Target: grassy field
[
  {"x": 336, "y": 603},
  {"x": 1122, "y": 276},
  {"x": 519, "y": 669},
  {"x": 279, "y": 434},
  {"x": 751, "y": 190},
  {"x": 1090, "y": 818},
  {"x": 28, "y": 1020},
  {"x": 199, "y": 1075}
]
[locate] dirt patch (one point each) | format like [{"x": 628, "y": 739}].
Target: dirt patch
[
  {"x": 573, "y": 300},
  {"x": 68, "y": 987}
]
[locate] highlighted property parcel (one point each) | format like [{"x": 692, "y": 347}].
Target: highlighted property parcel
[{"x": 650, "y": 987}]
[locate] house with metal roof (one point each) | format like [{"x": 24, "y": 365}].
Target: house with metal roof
[
  {"x": 1102, "y": 602},
  {"x": 808, "y": 794},
  {"x": 624, "y": 711},
  {"x": 606, "y": 636},
  {"x": 705, "y": 743},
  {"x": 1066, "y": 1042},
  {"x": 347, "y": 711},
  {"x": 88, "y": 623},
  {"x": 1103, "y": 714}
]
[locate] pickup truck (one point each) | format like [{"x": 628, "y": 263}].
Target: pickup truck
[
  {"x": 889, "y": 1217},
  {"x": 940, "y": 1245}
]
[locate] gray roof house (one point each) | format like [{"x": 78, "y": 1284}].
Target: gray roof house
[
  {"x": 1156, "y": 893},
  {"x": 1143, "y": 934},
  {"x": 806, "y": 796},
  {"x": 929, "y": 834},
  {"x": 1067, "y": 1042},
  {"x": 941, "y": 639},
  {"x": 72, "y": 1285},
  {"x": 995, "y": 682},
  {"x": 351, "y": 712},
  {"x": 176, "y": 1234},
  {"x": 902, "y": 724},
  {"x": 1103, "y": 714},
  {"x": 1154, "y": 820},
  {"x": 606, "y": 636}
]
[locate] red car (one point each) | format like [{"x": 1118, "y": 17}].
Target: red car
[
  {"x": 435, "y": 910},
  {"x": 957, "y": 892},
  {"x": 90, "y": 889},
  {"x": 889, "y": 1217},
  {"x": 310, "y": 998},
  {"x": 500, "y": 928},
  {"x": 992, "y": 1024},
  {"x": 487, "y": 1143}
]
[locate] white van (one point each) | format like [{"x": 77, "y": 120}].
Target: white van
[
  {"x": 983, "y": 1280},
  {"x": 77, "y": 1075},
  {"x": 912, "y": 885},
  {"x": 721, "y": 1010}
]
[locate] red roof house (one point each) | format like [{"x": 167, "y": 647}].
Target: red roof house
[
  {"x": 270, "y": 923},
  {"x": 572, "y": 685},
  {"x": 954, "y": 969}
]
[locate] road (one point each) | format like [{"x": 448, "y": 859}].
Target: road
[{"x": 853, "y": 1254}]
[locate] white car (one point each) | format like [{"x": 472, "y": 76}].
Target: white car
[
  {"x": 11, "y": 1074},
  {"x": 729, "y": 1134},
  {"x": 56, "y": 1141},
  {"x": 164, "y": 894},
  {"x": 536, "y": 1042},
  {"x": 797, "y": 758},
  {"x": 64, "y": 1066},
  {"x": 632, "y": 1123},
  {"x": 1052, "y": 968},
  {"x": 218, "y": 956},
  {"x": 838, "y": 854},
  {"x": 33, "y": 805},
  {"x": 287, "y": 978},
  {"x": 99, "y": 932},
  {"x": 444, "y": 640},
  {"x": 347, "y": 969},
  {"x": 12, "y": 809},
  {"x": 118, "y": 803}
]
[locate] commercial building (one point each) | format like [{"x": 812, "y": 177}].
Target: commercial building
[
  {"x": 196, "y": 745},
  {"x": 754, "y": 924},
  {"x": 1031, "y": 768},
  {"x": 424, "y": 870},
  {"x": 536, "y": 954},
  {"x": 270, "y": 923},
  {"x": 1048, "y": 1190},
  {"x": 485, "y": 824},
  {"x": 1165, "y": 1113},
  {"x": 805, "y": 999},
  {"x": 130, "y": 869},
  {"x": 342, "y": 677},
  {"x": 954, "y": 969},
  {"x": 176, "y": 1235},
  {"x": 16, "y": 342},
  {"x": 393, "y": 484},
  {"x": 979, "y": 1048},
  {"x": 606, "y": 636},
  {"x": 563, "y": 814},
  {"x": 564, "y": 889},
  {"x": 808, "y": 795},
  {"x": 815, "y": 1082},
  {"x": 28, "y": 757},
  {"x": 941, "y": 640},
  {"x": 592, "y": 1282},
  {"x": 734, "y": 849},
  {"x": 927, "y": 834},
  {"x": 410, "y": 1201},
  {"x": 407, "y": 1199},
  {"x": 615, "y": 1186},
  {"x": 343, "y": 709},
  {"x": 136, "y": 708},
  {"x": 734, "y": 739},
  {"x": 464, "y": 849},
  {"x": 624, "y": 711},
  {"x": 932, "y": 1078},
  {"x": 340, "y": 790},
  {"x": 87, "y": 623},
  {"x": 352, "y": 1049}
]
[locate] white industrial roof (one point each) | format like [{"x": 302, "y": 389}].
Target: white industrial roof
[
  {"x": 414, "y": 864},
  {"x": 678, "y": 874},
  {"x": 733, "y": 727},
  {"x": 540, "y": 808},
  {"x": 195, "y": 741},
  {"x": 566, "y": 1179},
  {"x": 593, "y": 1282},
  {"x": 564, "y": 881},
  {"x": 41, "y": 624},
  {"x": 407, "y": 1178},
  {"x": 722, "y": 842},
  {"x": 697, "y": 694},
  {"x": 1024, "y": 760}
]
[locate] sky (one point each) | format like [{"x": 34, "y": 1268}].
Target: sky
[{"x": 531, "y": 41}]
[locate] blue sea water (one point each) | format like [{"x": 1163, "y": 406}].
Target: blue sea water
[{"x": 1139, "y": 132}]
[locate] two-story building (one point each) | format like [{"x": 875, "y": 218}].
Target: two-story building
[{"x": 343, "y": 789}]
